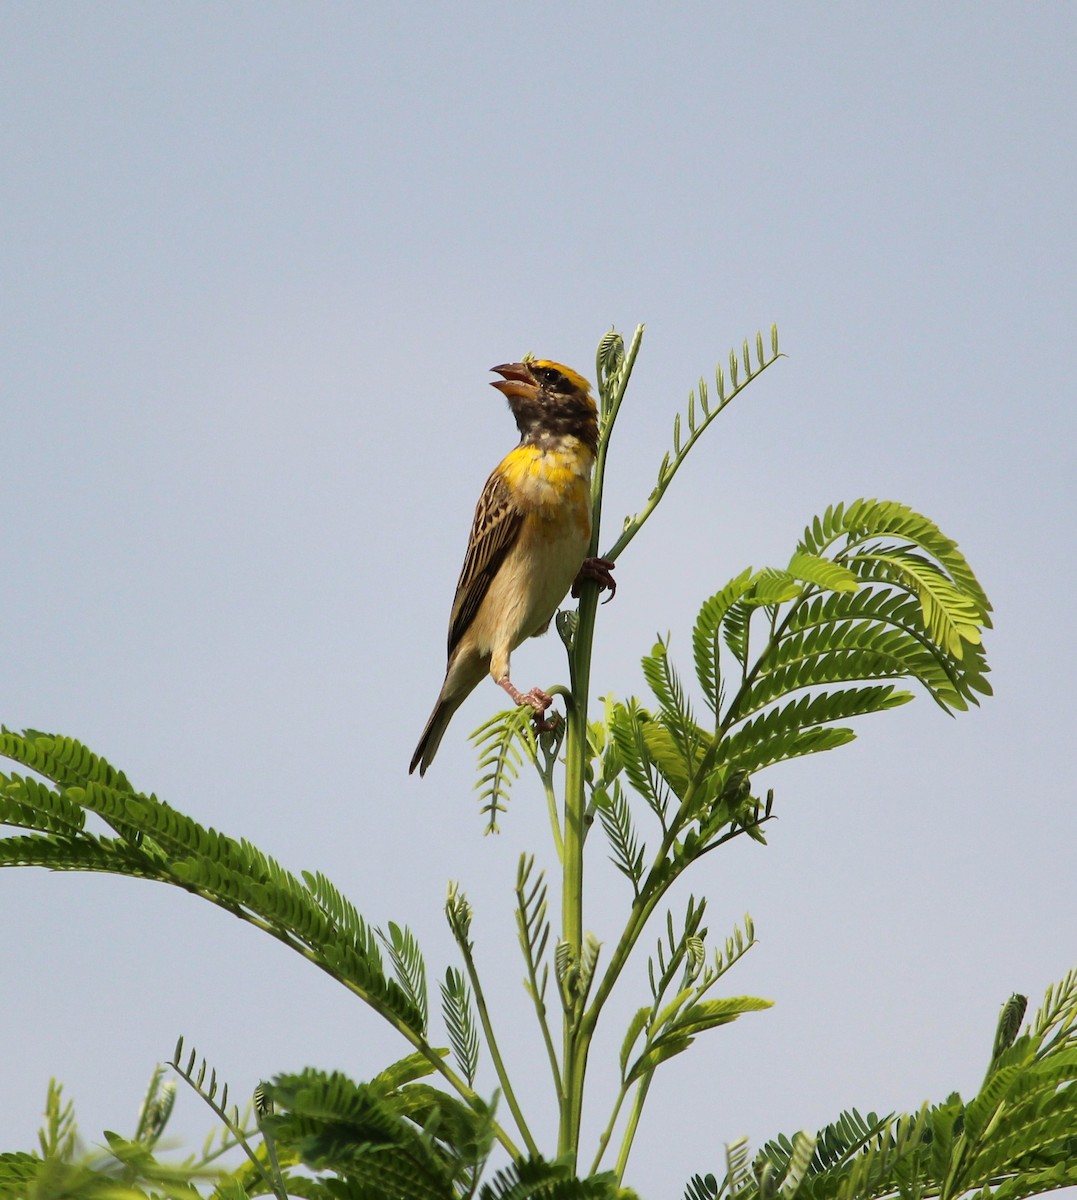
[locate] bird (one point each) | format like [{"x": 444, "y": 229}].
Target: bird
[{"x": 529, "y": 540}]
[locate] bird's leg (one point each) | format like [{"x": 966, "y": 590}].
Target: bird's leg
[
  {"x": 537, "y": 698},
  {"x": 597, "y": 570}
]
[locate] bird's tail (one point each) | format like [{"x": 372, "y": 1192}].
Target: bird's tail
[{"x": 434, "y": 732}]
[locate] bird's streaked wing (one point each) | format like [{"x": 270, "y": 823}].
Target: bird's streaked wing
[{"x": 495, "y": 528}]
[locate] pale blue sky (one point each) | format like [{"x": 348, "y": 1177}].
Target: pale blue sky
[{"x": 255, "y": 261}]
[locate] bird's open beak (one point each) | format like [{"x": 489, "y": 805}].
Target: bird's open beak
[{"x": 517, "y": 380}]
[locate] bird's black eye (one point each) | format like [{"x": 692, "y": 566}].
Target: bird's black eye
[{"x": 550, "y": 377}]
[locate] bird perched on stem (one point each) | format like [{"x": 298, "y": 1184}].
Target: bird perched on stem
[{"x": 528, "y": 542}]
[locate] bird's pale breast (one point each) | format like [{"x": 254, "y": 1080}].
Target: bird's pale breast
[{"x": 552, "y": 488}]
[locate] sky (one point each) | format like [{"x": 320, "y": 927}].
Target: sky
[{"x": 255, "y": 261}]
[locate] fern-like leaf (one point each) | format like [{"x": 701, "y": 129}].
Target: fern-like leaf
[
  {"x": 532, "y": 919},
  {"x": 824, "y": 572},
  {"x": 537, "y": 1179},
  {"x": 801, "y": 726},
  {"x": 368, "y": 1137},
  {"x": 615, "y": 816},
  {"x": 857, "y": 523},
  {"x": 629, "y": 724},
  {"x": 408, "y": 966},
  {"x": 157, "y": 1105},
  {"x": 697, "y": 426},
  {"x": 705, "y": 636},
  {"x": 702, "y": 1187},
  {"x": 952, "y": 617},
  {"x": 675, "y": 708},
  {"x": 1017, "y": 1137},
  {"x": 158, "y": 842},
  {"x": 736, "y": 1159},
  {"x": 26, "y": 803},
  {"x": 404, "y": 1071},
  {"x": 457, "y": 1009},
  {"x": 502, "y": 744},
  {"x": 343, "y": 914},
  {"x": 63, "y": 760}
]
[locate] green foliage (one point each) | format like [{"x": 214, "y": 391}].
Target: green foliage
[
  {"x": 408, "y": 966},
  {"x": 873, "y": 603},
  {"x": 784, "y": 659},
  {"x": 502, "y": 743},
  {"x": 697, "y": 418},
  {"x": 1016, "y": 1137},
  {"x": 1009, "y": 1022},
  {"x": 615, "y": 816},
  {"x": 411, "y": 1142},
  {"x": 533, "y": 925},
  {"x": 156, "y": 841},
  {"x": 122, "y": 1169},
  {"x": 633, "y": 733},
  {"x": 535, "y": 1179},
  {"x": 670, "y": 1024},
  {"x": 263, "y": 1173},
  {"x": 456, "y": 1006}
]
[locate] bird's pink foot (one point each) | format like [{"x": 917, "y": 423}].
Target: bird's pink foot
[
  {"x": 536, "y": 697},
  {"x": 597, "y": 570},
  {"x": 539, "y": 700}
]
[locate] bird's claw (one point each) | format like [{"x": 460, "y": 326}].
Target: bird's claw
[
  {"x": 548, "y": 724},
  {"x": 539, "y": 701},
  {"x": 599, "y": 571}
]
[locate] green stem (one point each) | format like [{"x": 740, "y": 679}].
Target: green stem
[
  {"x": 573, "y": 1068},
  {"x": 576, "y": 1045},
  {"x": 633, "y": 1125},
  {"x": 544, "y": 1025},
  {"x": 579, "y": 1023},
  {"x": 224, "y": 1147},
  {"x": 537, "y": 991},
  {"x": 574, "y": 1057},
  {"x": 274, "y": 1162},
  {"x": 672, "y": 967},
  {"x": 646, "y": 902},
  {"x": 642, "y": 908},
  {"x": 607, "y": 1133},
  {"x": 611, "y": 406},
  {"x": 555, "y": 820},
  {"x": 495, "y": 1052},
  {"x": 546, "y": 772}
]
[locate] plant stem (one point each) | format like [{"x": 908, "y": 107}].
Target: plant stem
[
  {"x": 633, "y": 1125},
  {"x": 495, "y": 1052},
  {"x": 577, "y": 1035},
  {"x": 572, "y": 869},
  {"x": 574, "y": 1060},
  {"x": 546, "y": 773},
  {"x": 607, "y": 1133},
  {"x": 579, "y": 1023},
  {"x": 536, "y": 989},
  {"x": 544, "y": 1025},
  {"x": 555, "y": 820}
]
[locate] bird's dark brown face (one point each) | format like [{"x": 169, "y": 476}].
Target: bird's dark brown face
[{"x": 549, "y": 402}]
